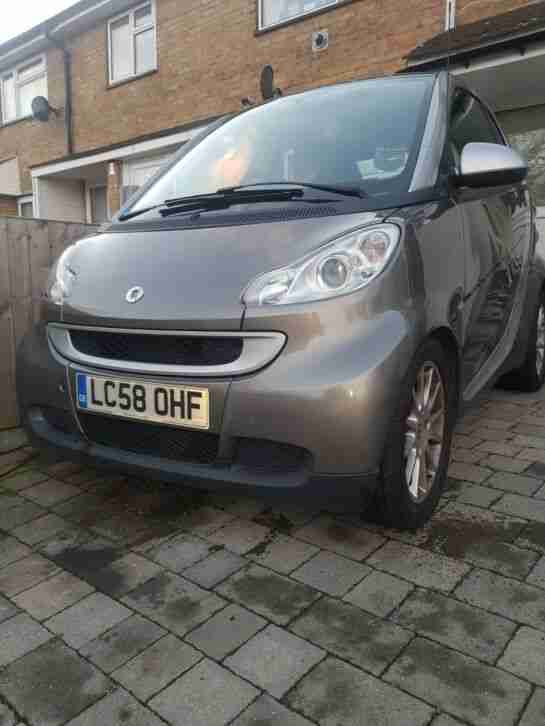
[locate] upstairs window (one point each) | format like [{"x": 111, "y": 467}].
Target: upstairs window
[
  {"x": 275, "y": 12},
  {"x": 19, "y": 86},
  {"x": 132, "y": 43}
]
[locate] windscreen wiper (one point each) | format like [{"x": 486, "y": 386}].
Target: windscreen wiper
[
  {"x": 248, "y": 194},
  {"x": 347, "y": 190},
  {"x": 222, "y": 199}
]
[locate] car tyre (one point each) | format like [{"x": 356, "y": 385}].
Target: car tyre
[
  {"x": 415, "y": 463},
  {"x": 531, "y": 375}
]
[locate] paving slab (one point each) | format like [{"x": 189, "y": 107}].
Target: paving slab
[
  {"x": 504, "y": 596},
  {"x": 83, "y": 559},
  {"x": 8, "y": 500},
  {"x": 12, "y": 550},
  {"x": 337, "y": 694},
  {"x": 179, "y": 552},
  {"x": 7, "y": 609},
  {"x": 19, "y": 635},
  {"x": 331, "y": 534},
  {"x": 459, "y": 684},
  {"x": 41, "y": 529},
  {"x": 25, "y": 573},
  {"x": 455, "y": 624},
  {"x": 10, "y": 462},
  {"x": 537, "y": 576},
  {"x": 276, "y": 597},
  {"x": 51, "y": 685},
  {"x": 532, "y": 537},
  {"x": 534, "y": 715},
  {"x": 516, "y": 483},
  {"x": 469, "y": 472},
  {"x": 351, "y": 634},
  {"x": 12, "y": 439},
  {"x": 215, "y": 568},
  {"x": 23, "y": 480},
  {"x": 240, "y": 536},
  {"x": 115, "y": 647},
  {"x": 274, "y": 660},
  {"x": 208, "y": 695},
  {"x": 205, "y": 520},
  {"x": 379, "y": 593},
  {"x": 156, "y": 667},
  {"x": 51, "y": 492},
  {"x": 476, "y": 495},
  {"x": 282, "y": 553},
  {"x": 118, "y": 707},
  {"x": 444, "y": 720},
  {"x": 120, "y": 576},
  {"x": 331, "y": 573},
  {"x": 174, "y": 602},
  {"x": 7, "y": 717},
  {"x": 14, "y": 517},
  {"x": 529, "y": 508},
  {"x": 525, "y": 656},
  {"x": 426, "y": 569},
  {"x": 87, "y": 619},
  {"x": 53, "y": 595},
  {"x": 268, "y": 712},
  {"x": 506, "y": 464},
  {"x": 226, "y": 631}
]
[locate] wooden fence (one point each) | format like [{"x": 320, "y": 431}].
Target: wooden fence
[{"x": 28, "y": 247}]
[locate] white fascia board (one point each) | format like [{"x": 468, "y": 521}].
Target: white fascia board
[
  {"x": 123, "y": 152},
  {"x": 535, "y": 50},
  {"x": 20, "y": 52}
]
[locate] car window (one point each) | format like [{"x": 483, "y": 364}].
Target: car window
[
  {"x": 470, "y": 122},
  {"x": 363, "y": 133}
]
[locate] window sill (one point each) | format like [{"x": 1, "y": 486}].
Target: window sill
[
  {"x": 115, "y": 84},
  {"x": 7, "y": 124},
  {"x": 301, "y": 18}
]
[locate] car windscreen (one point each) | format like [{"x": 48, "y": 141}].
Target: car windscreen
[{"x": 365, "y": 133}]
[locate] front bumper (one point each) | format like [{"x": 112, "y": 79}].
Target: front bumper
[{"x": 332, "y": 402}]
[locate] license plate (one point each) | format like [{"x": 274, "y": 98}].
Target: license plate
[{"x": 156, "y": 402}]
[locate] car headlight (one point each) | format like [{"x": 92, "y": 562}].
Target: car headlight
[
  {"x": 344, "y": 265},
  {"x": 61, "y": 279}
]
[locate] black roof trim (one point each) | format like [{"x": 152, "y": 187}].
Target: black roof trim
[{"x": 499, "y": 31}]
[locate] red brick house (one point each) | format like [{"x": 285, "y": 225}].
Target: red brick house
[{"x": 128, "y": 82}]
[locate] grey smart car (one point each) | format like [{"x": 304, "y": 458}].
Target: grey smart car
[{"x": 300, "y": 303}]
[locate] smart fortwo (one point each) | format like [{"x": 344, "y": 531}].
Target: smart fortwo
[{"x": 300, "y": 302}]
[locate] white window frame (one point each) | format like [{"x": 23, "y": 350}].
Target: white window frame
[
  {"x": 260, "y": 14},
  {"x": 28, "y": 199},
  {"x": 134, "y": 31},
  {"x": 15, "y": 73}
]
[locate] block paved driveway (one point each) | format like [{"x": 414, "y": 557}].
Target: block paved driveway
[{"x": 132, "y": 603}]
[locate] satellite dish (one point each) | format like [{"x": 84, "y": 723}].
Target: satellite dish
[
  {"x": 41, "y": 108},
  {"x": 268, "y": 90}
]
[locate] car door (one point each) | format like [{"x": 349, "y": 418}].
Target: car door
[{"x": 488, "y": 217}]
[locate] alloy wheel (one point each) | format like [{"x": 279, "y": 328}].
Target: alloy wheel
[{"x": 425, "y": 430}]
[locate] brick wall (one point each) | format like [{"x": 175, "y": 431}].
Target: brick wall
[
  {"x": 467, "y": 11},
  {"x": 210, "y": 56}
]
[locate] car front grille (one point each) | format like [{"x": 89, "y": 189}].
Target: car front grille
[
  {"x": 183, "y": 350},
  {"x": 165, "y": 442}
]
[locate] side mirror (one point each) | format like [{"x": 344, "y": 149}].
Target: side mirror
[{"x": 490, "y": 165}]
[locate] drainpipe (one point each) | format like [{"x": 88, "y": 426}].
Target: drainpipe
[{"x": 68, "y": 94}]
